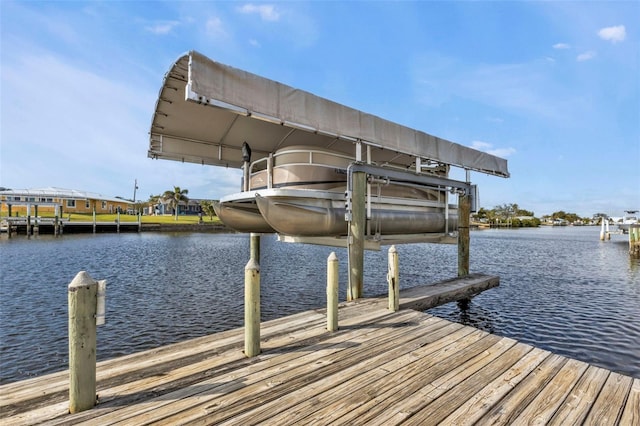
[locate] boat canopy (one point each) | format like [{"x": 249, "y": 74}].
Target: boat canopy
[{"x": 206, "y": 111}]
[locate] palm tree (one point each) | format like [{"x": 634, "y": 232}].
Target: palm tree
[
  {"x": 175, "y": 197},
  {"x": 207, "y": 208}
]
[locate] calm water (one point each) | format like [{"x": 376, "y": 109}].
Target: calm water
[{"x": 561, "y": 289}]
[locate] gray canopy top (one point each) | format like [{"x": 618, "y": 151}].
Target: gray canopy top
[{"x": 206, "y": 110}]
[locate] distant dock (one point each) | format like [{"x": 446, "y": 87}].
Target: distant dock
[
  {"x": 21, "y": 226},
  {"x": 33, "y": 226},
  {"x": 380, "y": 367}
]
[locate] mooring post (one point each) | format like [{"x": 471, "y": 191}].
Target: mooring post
[
  {"x": 393, "y": 278},
  {"x": 94, "y": 220},
  {"x": 28, "y": 220},
  {"x": 139, "y": 222},
  {"x": 332, "y": 292},
  {"x": 602, "y": 229},
  {"x": 464, "y": 210},
  {"x": 83, "y": 304},
  {"x": 36, "y": 222},
  {"x": 634, "y": 241},
  {"x": 254, "y": 247},
  {"x": 356, "y": 232},
  {"x": 252, "y": 308}
]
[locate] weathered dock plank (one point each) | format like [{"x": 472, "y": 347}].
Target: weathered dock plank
[
  {"x": 631, "y": 414},
  {"x": 512, "y": 404},
  {"x": 477, "y": 405},
  {"x": 428, "y": 296},
  {"x": 608, "y": 407},
  {"x": 379, "y": 367},
  {"x": 584, "y": 393},
  {"x": 545, "y": 404}
]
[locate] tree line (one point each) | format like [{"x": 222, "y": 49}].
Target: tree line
[
  {"x": 510, "y": 214},
  {"x": 518, "y": 217}
]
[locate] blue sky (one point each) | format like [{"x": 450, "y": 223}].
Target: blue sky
[{"x": 554, "y": 87}]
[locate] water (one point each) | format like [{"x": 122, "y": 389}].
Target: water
[{"x": 561, "y": 289}]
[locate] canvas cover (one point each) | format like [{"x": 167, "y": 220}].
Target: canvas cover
[{"x": 206, "y": 110}]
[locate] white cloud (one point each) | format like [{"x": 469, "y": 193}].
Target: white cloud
[
  {"x": 95, "y": 127},
  {"x": 561, "y": 46},
  {"x": 162, "y": 28},
  {"x": 586, "y": 56},
  {"x": 253, "y": 42},
  {"x": 267, "y": 12},
  {"x": 613, "y": 34},
  {"x": 216, "y": 27},
  {"x": 488, "y": 148}
]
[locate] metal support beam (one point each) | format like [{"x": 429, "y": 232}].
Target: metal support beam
[{"x": 398, "y": 175}]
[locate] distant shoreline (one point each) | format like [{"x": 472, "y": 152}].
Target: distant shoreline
[
  {"x": 113, "y": 228},
  {"x": 183, "y": 227}
]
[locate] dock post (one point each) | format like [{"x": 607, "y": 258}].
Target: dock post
[
  {"x": 332, "y": 292},
  {"x": 393, "y": 278},
  {"x": 634, "y": 241},
  {"x": 356, "y": 235},
  {"x": 94, "y": 221},
  {"x": 464, "y": 210},
  {"x": 56, "y": 224},
  {"x": 139, "y": 222},
  {"x": 28, "y": 220},
  {"x": 252, "y": 308},
  {"x": 254, "y": 247},
  {"x": 83, "y": 303},
  {"x": 602, "y": 228},
  {"x": 118, "y": 222}
]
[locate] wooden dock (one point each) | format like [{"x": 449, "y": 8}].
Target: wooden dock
[{"x": 379, "y": 368}]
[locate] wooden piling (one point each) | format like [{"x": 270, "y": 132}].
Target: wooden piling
[
  {"x": 393, "y": 278},
  {"x": 82, "y": 294},
  {"x": 28, "y": 220},
  {"x": 356, "y": 233},
  {"x": 332, "y": 292},
  {"x": 254, "y": 247},
  {"x": 634, "y": 241},
  {"x": 252, "y": 308},
  {"x": 464, "y": 207}
]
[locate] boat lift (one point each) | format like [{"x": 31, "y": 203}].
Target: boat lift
[{"x": 206, "y": 112}]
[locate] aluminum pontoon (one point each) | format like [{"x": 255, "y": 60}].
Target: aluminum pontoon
[{"x": 302, "y": 191}]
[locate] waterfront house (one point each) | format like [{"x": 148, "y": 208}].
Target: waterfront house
[{"x": 45, "y": 200}]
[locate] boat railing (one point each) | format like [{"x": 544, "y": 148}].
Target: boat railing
[
  {"x": 261, "y": 171},
  {"x": 295, "y": 156}
]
